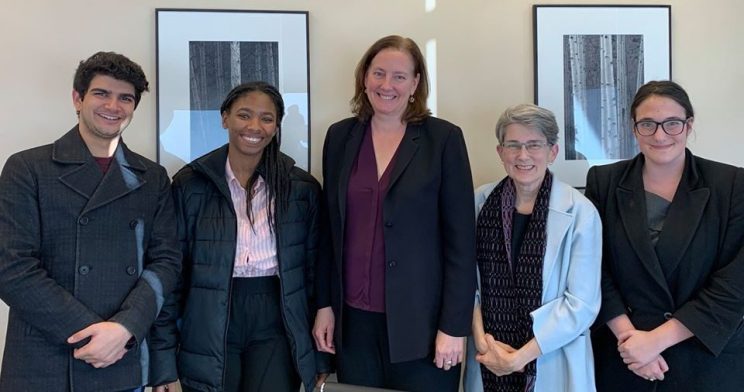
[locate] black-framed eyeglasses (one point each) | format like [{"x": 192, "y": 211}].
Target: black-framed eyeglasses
[
  {"x": 531, "y": 146},
  {"x": 671, "y": 127}
]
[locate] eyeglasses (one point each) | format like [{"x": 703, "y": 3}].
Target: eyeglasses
[
  {"x": 671, "y": 127},
  {"x": 532, "y": 146}
]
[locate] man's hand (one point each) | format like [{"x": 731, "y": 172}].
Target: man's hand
[{"x": 106, "y": 346}]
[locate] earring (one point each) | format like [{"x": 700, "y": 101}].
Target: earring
[{"x": 411, "y": 99}]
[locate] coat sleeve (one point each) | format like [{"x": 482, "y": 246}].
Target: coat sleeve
[
  {"x": 314, "y": 246},
  {"x": 613, "y": 304},
  {"x": 162, "y": 265},
  {"x": 164, "y": 335},
  {"x": 324, "y": 261},
  {"x": 457, "y": 217},
  {"x": 563, "y": 319},
  {"x": 715, "y": 313},
  {"x": 25, "y": 285}
]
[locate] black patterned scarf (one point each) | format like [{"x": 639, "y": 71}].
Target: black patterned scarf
[{"x": 511, "y": 289}]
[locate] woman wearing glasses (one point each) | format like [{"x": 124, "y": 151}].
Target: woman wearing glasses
[
  {"x": 673, "y": 263},
  {"x": 538, "y": 251}
]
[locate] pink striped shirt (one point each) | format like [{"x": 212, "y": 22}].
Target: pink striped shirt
[{"x": 255, "y": 250}]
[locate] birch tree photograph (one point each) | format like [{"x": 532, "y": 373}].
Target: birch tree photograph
[
  {"x": 215, "y": 68},
  {"x": 203, "y": 54},
  {"x": 589, "y": 61},
  {"x": 601, "y": 76}
]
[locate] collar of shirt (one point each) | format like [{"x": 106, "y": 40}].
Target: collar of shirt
[
  {"x": 233, "y": 181},
  {"x": 255, "y": 247}
]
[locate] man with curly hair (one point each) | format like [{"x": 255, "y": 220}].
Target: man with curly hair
[{"x": 87, "y": 245}]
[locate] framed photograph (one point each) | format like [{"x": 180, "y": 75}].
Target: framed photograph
[
  {"x": 203, "y": 54},
  {"x": 589, "y": 62}
]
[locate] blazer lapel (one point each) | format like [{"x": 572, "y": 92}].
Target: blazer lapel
[
  {"x": 631, "y": 201},
  {"x": 121, "y": 178},
  {"x": 406, "y": 151},
  {"x": 350, "y": 152},
  {"x": 684, "y": 216},
  {"x": 84, "y": 174}
]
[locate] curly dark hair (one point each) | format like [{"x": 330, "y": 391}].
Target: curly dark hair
[{"x": 114, "y": 65}]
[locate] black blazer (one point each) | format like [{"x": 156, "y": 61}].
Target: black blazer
[
  {"x": 702, "y": 243},
  {"x": 429, "y": 232}
]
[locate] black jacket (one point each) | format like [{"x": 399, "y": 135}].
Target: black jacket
[
  {"x": 207, "y": 230},
  {"x": 429, "y": 234},
  {"x": 702, "y": 287}
]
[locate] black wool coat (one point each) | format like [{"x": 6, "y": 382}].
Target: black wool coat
[{"x": 78, "y": 247}]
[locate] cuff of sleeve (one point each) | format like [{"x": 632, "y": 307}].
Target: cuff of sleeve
[
  {"x": 713, "y": 338},
  {"x": 324, "y": 363},
  {"x": 608, "y": 311},
  {"x": 163, "y": 368}
]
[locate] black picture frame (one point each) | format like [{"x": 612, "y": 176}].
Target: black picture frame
[
  {"x": 589, "y": 61},
  {"x": 201, "y": 54}
]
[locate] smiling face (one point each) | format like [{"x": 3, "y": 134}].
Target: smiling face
[
  {"x": 526, "y": 168},
  {"x": 106, "y": 109},
  {"x": 390, "y": 81},
  {"x": 251, "y": 122},
  {"x": 660, "y": 148}
]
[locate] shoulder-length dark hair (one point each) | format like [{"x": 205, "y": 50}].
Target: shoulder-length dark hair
[
  {"x": 416, "y": 110},
  {"x": 277, "y": 181}
]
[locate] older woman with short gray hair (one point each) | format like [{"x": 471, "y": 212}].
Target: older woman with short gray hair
[{"x": 538, "y": 251}]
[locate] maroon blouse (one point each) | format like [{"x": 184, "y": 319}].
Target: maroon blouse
[{"x": 364, "y": 245}]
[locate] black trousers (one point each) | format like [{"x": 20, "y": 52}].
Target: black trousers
[
  {"x": 258, "y": 355},
  {"x": 364, "y": 359}
]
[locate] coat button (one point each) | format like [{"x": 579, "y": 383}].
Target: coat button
[
  {"x": 133, "y": 224},
  {"x": 84, "y": 269},
  {"x": 131, "y": 270},
  {"x": 388, "y": 224},
  {"x": 83, "y": 220},
  {"x": 392, "y": 264},
  {"x": 668, "y": 315}
]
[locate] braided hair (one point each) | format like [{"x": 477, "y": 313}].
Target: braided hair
[{"x": 277, "y": 183}]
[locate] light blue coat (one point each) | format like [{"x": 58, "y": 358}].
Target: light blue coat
[{"x": 571, "y": 294}]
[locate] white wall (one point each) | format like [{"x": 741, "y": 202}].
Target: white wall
[{"x": 484, "y": 64}]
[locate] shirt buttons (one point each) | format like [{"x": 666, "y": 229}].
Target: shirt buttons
[
  {"x": 668, "y": 315},
  {"x": 83, "y": 270},
  {"x": 131, "y": 270},
  {"x": 133, "y": 224},
  {"x": 392, "y": 264},
  {"x": 83, "y": 220}
]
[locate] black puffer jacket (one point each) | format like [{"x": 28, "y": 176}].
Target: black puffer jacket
[{"x": 207, "y": 231}]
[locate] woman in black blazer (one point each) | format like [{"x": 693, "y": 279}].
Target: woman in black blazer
[
  {"x": 673, "y": 264},
  {"x": 401, "y": 277}
]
